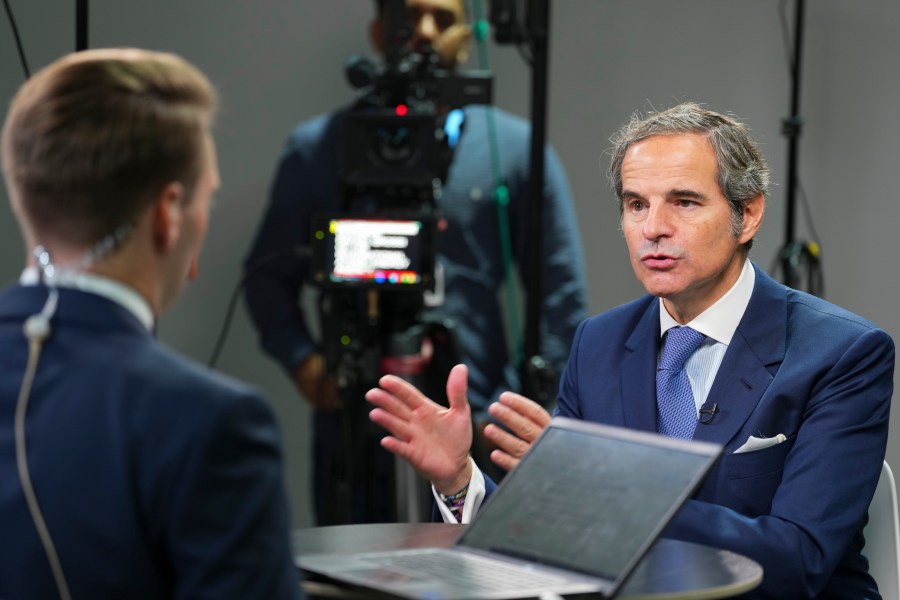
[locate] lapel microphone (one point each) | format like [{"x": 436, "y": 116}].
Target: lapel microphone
[{"x": 707, "y": 414}]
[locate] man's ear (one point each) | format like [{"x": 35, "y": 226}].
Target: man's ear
[
  {"x": 376, "y": 35},
  {"x": 167, "y": 214},
  {"x": 753, "y": 217}
]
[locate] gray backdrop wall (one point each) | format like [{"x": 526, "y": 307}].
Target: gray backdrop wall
[{"x": 276, "y": 62}]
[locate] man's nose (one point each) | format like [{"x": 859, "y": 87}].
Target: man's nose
[
  {"x": 658, "y": 222},
  {"x": 425, "y": 31}
]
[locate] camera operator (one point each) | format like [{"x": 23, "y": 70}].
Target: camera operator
[{"x": 469, "y": 252}]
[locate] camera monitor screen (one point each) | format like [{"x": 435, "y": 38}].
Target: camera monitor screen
[{"x": 367, "y": 252}]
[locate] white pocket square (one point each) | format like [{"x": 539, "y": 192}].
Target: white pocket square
[{"x": 758, "y": 443}]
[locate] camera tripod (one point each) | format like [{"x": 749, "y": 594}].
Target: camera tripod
[{"x": 367, "y": 334}]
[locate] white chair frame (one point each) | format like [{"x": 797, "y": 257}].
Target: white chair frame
[{"x": 883, "y": 536}]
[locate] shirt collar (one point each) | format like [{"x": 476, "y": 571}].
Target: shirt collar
[
  {"x": 108, "y": 288},
  {"x": 720, "y": 320}
]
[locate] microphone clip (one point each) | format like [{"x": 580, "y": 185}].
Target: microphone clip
[{"x": 707, "y": 414}]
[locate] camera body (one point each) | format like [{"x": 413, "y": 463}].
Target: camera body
[
  {"x": 397, "y": 152},
  {"x": 396, "y": 155},
  {"x": 396, "y": 141}
]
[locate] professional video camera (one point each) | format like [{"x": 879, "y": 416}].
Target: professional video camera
[
  {"x": 396, "y": 156},
  {"x": 374, "y": 259}
]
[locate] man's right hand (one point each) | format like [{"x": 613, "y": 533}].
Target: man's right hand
[
  {"x": 433, "y": 439},
  {"x": 314, "y": 384}
]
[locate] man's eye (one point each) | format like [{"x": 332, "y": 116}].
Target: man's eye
[
  {"x": 445, "y": 19},
  {"x": 412, "y": 16}
]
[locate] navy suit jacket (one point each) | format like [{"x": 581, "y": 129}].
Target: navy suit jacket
[
  {"x": 797, "y": 365},
  {"x": 157, "y": 478}
]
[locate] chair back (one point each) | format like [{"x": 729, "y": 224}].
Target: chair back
[{"x": 883, "y": 536}]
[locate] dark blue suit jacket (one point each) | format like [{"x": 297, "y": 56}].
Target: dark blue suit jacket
[
  {"x": 157, "y": 478},
  {"x": 797, "y": 365}
]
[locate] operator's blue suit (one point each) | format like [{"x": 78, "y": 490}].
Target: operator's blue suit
[
  {"x": 796, "y": 365},
  {"x": 157, "y": 478}
]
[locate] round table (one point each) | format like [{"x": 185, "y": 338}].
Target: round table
[{"x": 672, "y": 570}]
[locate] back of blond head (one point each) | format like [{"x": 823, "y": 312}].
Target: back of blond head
[{"x": 92, "y": 138}]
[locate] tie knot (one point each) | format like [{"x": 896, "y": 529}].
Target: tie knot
[{"x": 679, "y": 344}]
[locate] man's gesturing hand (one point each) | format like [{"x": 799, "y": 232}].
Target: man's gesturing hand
[
  {"x": 433, "y": 439},
  {"x": 524, "y": 418}
]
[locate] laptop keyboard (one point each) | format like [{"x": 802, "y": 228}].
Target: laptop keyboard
[{"x": 464, "y": 571}]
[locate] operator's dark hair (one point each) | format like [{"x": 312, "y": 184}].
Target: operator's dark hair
[{"x": 381, "y": 5}]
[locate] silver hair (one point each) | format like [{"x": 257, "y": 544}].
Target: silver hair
[{"x": 742, "y": 170}]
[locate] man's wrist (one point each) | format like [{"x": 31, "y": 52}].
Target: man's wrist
[
  {"x": 456, "y": 503},
  {"x": 455, "y": 485}
]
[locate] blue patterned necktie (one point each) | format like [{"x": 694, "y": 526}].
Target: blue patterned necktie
[{"x": 675, "y": 406}]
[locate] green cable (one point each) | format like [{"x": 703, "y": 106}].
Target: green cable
[{"x": 501, "y": 192}]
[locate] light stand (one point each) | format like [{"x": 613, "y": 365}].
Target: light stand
[
  {"x": 536, "y": 375},
  {"x": 535, "y": 371},
  {"x": 81, "y": 25},
  {"x": 794, "y": 252}
]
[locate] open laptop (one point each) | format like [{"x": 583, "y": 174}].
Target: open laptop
[{"x": 575, "y": 517}]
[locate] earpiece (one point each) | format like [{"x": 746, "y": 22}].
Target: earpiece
[{"x": 37, "y": 327}]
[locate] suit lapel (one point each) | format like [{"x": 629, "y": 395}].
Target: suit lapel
[
  {"x": 750, "y": 362},
  {"x": 638, "y": 373}
]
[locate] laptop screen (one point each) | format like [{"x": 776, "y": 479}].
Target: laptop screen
[{"x": 592, "y": 500}]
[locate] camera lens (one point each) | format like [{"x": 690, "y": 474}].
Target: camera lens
[{"x": 394, "y": 144}]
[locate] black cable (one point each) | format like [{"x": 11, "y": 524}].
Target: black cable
[
  {"x": 525, "y": 52},
  {"x": 807, "y": 211},
  {"x": 15, "y": 30},
  {"x": 226, "y": 325},
  {"x": 229, "y": 313}
]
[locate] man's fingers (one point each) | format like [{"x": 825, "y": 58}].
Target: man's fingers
[
  {"x": 403, "y": 450},
  {"x": 395, "y": 426},
  {"x": 388, "y": 402},
  {"x": 504, "y": 460},
  {"x": 403, "y": 390},
  {"x": 506, "y": 442},
  {"x": 458, "y": 387},
  {"x": 395, "y": 446},
  {"x": 522, "y": 426},
  {"x": 527, "y": 408}
]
